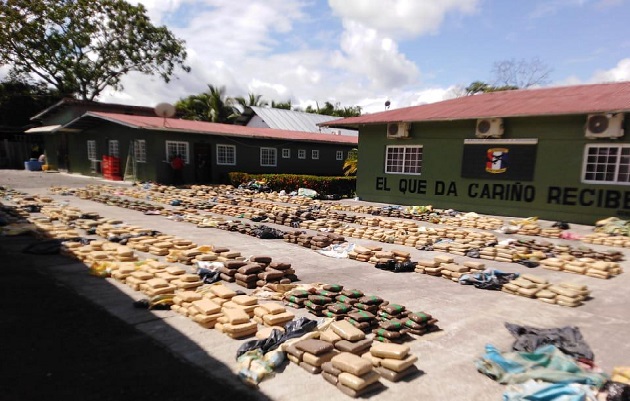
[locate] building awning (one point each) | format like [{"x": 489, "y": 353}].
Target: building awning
[{"x": 46, "y": 129}]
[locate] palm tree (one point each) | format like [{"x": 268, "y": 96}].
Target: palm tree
[
  {"x": 241, "y": 103},
  {"x": 282, "y": 105},
  {"x": 212, "y": 105}
]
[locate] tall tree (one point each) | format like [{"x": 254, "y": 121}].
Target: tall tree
[
  {"x": 335, "y": 110},
  {"x": 81, "y": 47},
  {"x": 282, "y": 105},
  {"x": 521, "y": 73},
  {"x": 251, "y": 100},
  {"x": 484, "y": 87},
  {"x": 213, "y": 105}
]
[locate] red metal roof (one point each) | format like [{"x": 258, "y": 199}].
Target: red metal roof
[
  {"x": 561, "y": 100},
  {"x": 202, "y": 127}
]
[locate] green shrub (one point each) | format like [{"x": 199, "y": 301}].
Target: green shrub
[{"x": 342, "y": 186}]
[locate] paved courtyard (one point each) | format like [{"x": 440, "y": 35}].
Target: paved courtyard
[{"x": 469, "y": 318}]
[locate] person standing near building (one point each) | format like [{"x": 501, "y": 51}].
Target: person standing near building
[{"x": 177, "y": 165}]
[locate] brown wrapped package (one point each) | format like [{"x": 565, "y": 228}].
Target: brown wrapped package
[
  {"x": 389, "y": 350},
  {"x": 358, "y": 383},
  {"x": 351, "y": 363}
]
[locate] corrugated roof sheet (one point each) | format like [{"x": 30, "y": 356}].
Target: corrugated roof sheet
[
  {"x": 296, "y": 120},
  {"x": 202, "y": 127},
  {"x": 562, "y": 100}
]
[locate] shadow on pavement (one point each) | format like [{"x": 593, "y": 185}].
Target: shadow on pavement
[{"x": 57, "y": 344}]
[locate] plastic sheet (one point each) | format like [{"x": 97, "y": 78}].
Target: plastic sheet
[
  {"x": 293, "y": 329},
  {"x": 546, "y": 363},
  {"x": 568, "y": 339},
  {"x": 489, "y": 279}
]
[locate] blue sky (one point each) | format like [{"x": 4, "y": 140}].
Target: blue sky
[{"x": 363, "y": 52}]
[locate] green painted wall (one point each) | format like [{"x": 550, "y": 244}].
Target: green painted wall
[{"x": 555, "y": 192}]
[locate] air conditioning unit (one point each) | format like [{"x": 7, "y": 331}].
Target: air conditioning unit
[
  {"x": 604, "y": 125},
  {"x": 397, "y": 130},
  {"x": 489, "y": 128}
]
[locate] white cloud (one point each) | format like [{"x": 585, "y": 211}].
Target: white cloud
[
  {"x": 245, "y": 49},
  {"x": 548, "y": 8},
  {"x": 620, "y": 72},
  {"x": 401, "y": 18}
]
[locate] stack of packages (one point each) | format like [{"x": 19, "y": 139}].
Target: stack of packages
[
  {"x": 296, "y": 298},
  {"x": 395, "y": 254},
  {"x": 160, "y": 248},
  {"x": 588, "y": 266},
  {"x": 363, "y": 316},
  {"x": 203, "y": 311},
  {"x": 337, "y": 310},
  {"x": 352, "y": 374},
  {"x": 138, "y": 277},
  {"x": 310, "y": 354},
  {"x": 361, "y": 253},
  {"x": 272, "y": 315},
  {"x": 317, "y": 303},
  {"x": 392, "y": 362},
  {"x": 531, "y": 286},
  {"x": 157, "y": 286},
  {"x": 206, "y": 254},
  {"x": 391, "y": 324},
  {"x": 224, "y": 254},
  {"x": 187, "y": 281},
  {"x": 228, "y": 270},
  {"x": 433, "y": 268},
  {"x": 292, "y": 236},
  {"x": 246, "y": 303},
  {"x": 323, "y": 240},
  {"x": 236, "y": 323},
  {"x": 504, "y": 253},
  {"x": 304, "y": 239},
  {"x": 218, "y": 293},
  {"x": 420, "y": 323},
  {"x": 124, "y": 254},
  {"x": 247, "y": 275},
  {"x": 273, "y": 272}
]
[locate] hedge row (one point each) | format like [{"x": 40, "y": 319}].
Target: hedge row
[{"x": 342, "y": 186}]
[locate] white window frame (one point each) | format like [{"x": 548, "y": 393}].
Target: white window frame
[
  {"x": 177, "y": 147},
  {"x": 268, "y": 153},
  {"x": 113, "y": 148},
  {"x": 140, "y": 150},
  {"x": 403, "y": 167},
  {"x": 225, "y": 153},
  {"x": 91, "y": 150},
  {"x": 339, "y": 155},
  {"x": 301, "y": 153},
  {"x": 315, "y": 154},
  {"x": 615, "y": 167},
  {"x": 286, "y": 153}
]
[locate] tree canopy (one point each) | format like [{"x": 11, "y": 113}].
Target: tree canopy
[
  {"x": 335, "y": 110},
  {"x": 81, "y": 47},
  {"x": 20, "y": 100},
  {"x": 213, "y": 106},
  {"x": 513, "y": 74}
]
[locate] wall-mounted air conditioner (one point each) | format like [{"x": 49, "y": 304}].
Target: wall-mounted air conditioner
[
  {"x": 489, "y": 128},
  {"x": 604, "y": 125},
  {"x": 397, "y": 130}
]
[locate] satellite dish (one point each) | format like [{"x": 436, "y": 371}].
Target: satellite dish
[
  {"x": 387, "y": 104},
  {"x": 165, "y": 110}
]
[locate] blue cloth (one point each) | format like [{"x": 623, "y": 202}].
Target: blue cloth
[
  {"x": 534, "y": 391},
  {"x": 547, "y": 363}
]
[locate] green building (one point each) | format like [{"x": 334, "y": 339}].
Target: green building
[
  {"x": 133, "y": 143},
  {"x": 556, "y": 153}
]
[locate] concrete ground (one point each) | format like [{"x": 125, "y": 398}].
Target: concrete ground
[{"x": 469, "y": 318}]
